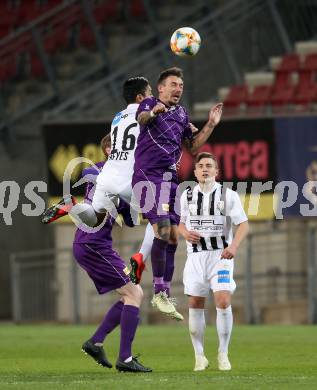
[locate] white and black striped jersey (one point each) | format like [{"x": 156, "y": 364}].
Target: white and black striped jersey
[{"x": 211, "y": 214}]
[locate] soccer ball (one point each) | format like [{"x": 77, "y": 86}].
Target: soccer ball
[{"x": 185, "y": 41}]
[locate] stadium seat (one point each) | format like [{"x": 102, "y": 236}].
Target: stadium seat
[
  {"x": 107, "y": 11},
  {"x": 8, "y": 21},
  {"x": 50, "y": 43},
  {"x": 137, "y": 9},
  {"x": 37, "y": 68},
  {"x": 282, "y": 79},
  {"x": 61, "y": 35},
  {"x": 305, "y": 95},
  {"x": 29, "y": 12},
  {"x": 310, "y": 62},
  {"x": 8, "y": 68},
  {"x": 260, "y": 96},
  {"x": 283, "y": 96},
  {"x": 289, "y": 63},
  {"x": 87, "y": 37},
  {"x": 238, "y": 94}
]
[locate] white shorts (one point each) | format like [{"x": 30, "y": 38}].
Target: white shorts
[
  {"x": 205, "y": 271},
  {"x": 112, "y": 189}
]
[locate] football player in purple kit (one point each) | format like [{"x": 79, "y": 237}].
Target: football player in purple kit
[
  {"x": 164, "y": 128},
  {"x": 94, "y": 253}
]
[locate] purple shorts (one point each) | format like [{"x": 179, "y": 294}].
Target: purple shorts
[
  {"x": 104, "y": 266},
  {"x": 155, "y": 194}
]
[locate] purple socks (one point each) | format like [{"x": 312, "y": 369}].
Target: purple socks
[
  {"x": 129, "y": 323},
  {"x": 169, "y": 267},
  {"x": 112, "y": 320},
  {"x": 158, "y": 260}
]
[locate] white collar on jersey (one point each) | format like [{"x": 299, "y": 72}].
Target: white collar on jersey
[
  {"x": 133, "y": 105},
  {"x": 214, "y": 186}
]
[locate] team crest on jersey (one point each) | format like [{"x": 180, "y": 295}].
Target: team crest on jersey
[
  {"x": 220, "y": 205},
  {"x": 165, "y": 207},
  {"x": 126, "y": 271},
  {"x": 147, "y": 107}
]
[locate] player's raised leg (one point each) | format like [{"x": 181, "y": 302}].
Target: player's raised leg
[{"x": 138, "y": 260}]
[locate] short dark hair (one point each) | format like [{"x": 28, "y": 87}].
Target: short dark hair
[
  {"x": 134, "y": 86},
  {"x": 170, "y": 72},
  {"x": 202, "y": 155}
]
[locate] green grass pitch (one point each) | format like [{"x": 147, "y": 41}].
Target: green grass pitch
[{"x": 42, "y": 357}]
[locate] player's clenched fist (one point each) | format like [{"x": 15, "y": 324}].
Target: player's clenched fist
[{"x": 159, "y": 108}]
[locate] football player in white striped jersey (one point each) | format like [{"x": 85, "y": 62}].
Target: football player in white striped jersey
[{"x": 207, "y": 214}]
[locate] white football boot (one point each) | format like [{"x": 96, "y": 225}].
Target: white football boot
[
  {"x": 223, "y": 362},
  {"x": 201, "y": 363}
]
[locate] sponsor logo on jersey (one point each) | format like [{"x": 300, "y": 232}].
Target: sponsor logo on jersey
[
  {"x": 116, "y": 119},
  {"x": 206, "y": 225}
]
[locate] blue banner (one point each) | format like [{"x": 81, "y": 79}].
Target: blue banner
[{"x": 296, "y": 158}]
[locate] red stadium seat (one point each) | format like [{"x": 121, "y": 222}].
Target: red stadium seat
[
  {"x": 310, "y": 62},
  {"x": 7, "y": 69},
  {"x": 283, "y": 96},
  {"x": 137, "y": 9},
  {"x": 87, "y": 37},
  {"x": 29, "y": 12},
  {"x": 289, "y": 63},
  {"x": 51, "y": 43},
  {"x": 107, "y": 11},
  {"x": 37, "y": 68},
  {"x": 282, "y": 79},
  {"x": 8, "y": 21},
  {"x": 307, "y": 77},
  {"x": 260, "y": 96},
  {"x": 305, "y": 94},
  {"x": 238, "y": 94}
]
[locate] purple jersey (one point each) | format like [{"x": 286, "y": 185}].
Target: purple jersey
[
  {"x": 160, "y": 141},
  {"x": 102, "y": 236}
]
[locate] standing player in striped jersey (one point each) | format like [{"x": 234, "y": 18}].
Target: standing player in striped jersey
[{"x": 207, "y": 214}]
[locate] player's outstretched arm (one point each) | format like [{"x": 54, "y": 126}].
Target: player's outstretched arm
[
  {"x": 146, "y": 116},
  {"x": 213, "y": 120},
  {"x": 241, "y": 233}
]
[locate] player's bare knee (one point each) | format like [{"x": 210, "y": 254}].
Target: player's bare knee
[
  {"x": 136, "y": 294},
  {"x": 223, "y": 302},
  {"x": 164, "y": 229},
  {"x": 196, "y": 302}
]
